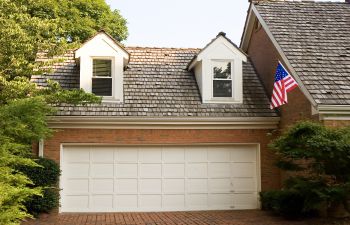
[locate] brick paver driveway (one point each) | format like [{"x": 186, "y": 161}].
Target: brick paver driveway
[{"x": 246, "y": 217}]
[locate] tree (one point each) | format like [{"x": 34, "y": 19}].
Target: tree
[
  {"x": 29, "y": 27},
  {"x": 32, "y": 26},
  {"x": 318, "y": 158}
]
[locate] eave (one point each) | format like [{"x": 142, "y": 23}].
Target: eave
[{"x": 86, "y": 122}]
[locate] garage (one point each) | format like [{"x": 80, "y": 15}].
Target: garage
[{"x": 159, "y": 178}]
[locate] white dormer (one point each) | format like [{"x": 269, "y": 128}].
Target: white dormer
[
  {"x": 102, "y": 61},
  {"x": 219, "y": 71}
]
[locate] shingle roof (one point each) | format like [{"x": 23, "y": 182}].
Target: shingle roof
[
  {"x": 315, "y": 37},
  {"x": 157, "y": 84}
]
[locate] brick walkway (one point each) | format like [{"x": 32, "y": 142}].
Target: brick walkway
[{"x": 247, "y": 217}]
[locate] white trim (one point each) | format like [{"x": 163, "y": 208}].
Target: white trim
[
  {"x": 60, "y": 182},
  {"x": 334, "y": 112},
  {"x": 248, "y": 28},
  {"x": 41, "y": 148},
  {"x": 334, "y": 117},
  {"x": 340, "y": 109},
  {"x": 163, "y": 123},
  {"x": 258, "y": 173},
  {"x": 282, "y": 55}
]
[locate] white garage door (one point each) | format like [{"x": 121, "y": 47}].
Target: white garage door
[{"x": 110, "y": 179}]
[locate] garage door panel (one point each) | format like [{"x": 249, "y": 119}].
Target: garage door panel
[
  {"x": 150, "y": 202},
  {"x": 244, "y": 153},
  {"x": 243, "y": 170},
  {"x": 77, "y": 186},
  {"x": 76, "y": 170},
  {"x": 103, "y": 155},
  {"x": 126, "y": 202},
  {"x": 173, "y": 170},
  {"x": 126, "y": 186},
  {"x": 126, "y": 155},
  {"x": 244, "y": 184},
  {"x": 77, "y": 154},
  {"x": 126, "y": 170},
  {"x": 150, "y": 154},
  {"x": 220, "y": 185},
  {"x": 77, "y": 202},
  {"x": 245, "y": 201},
  {"x": 160, "y": 178},
  {"x": 102, "y": 202},
  {"x": 196, "y": 154},
  {"x": 196, "y": 201},
  {"x": 219, "y": 170},
  {"x": 223, "y": 201},
  {"x": 219, "y": 154},
  {"x": 197, "y": 170},
  {"x": 102, "y": 186},
  {"x": 102, "y": 170},
  {"x": 150, "y": 170},
  {"x": 197, "y": 185},
  {"x": 173, "y": 202},
  {"x": 173, "y": 186},
  {"x": 173, "y": 154},
  {"x": 150, "y": 186}
]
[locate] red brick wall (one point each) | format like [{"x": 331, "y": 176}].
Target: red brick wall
[
  {"x": 336, "y": 123},
  {"x": 265, "y": 58},
  {"x": 270, "y": 174}
]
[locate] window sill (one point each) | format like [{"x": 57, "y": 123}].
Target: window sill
[
  {"x": 223, "y": 101},
  {"x": 110, "y": 100}
]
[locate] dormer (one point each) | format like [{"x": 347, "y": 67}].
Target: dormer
[
  {"x": 102, "y": 61},
  {"x": 218, "y": 68}
]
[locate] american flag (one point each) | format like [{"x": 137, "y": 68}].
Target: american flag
[{"x": 284, "y": 83}]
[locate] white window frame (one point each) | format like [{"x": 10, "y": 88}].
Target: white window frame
[
  {"x": 112, "y": 59},
  {"x": 213, "y": 61}
]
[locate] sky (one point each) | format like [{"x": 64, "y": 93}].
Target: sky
[{"x": 181, "y": 23}]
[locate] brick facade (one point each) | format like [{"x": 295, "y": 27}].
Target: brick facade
[
  {"x": 265, "y": 58},
  {"x": 270, "y": 176},
  {"x": 336, "y": 123}
]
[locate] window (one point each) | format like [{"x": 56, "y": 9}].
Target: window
[
  {"x": 222, "y": 79},
  {"x": 102, "y": 77}
]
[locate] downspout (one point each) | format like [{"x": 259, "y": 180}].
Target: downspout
[{"x": 41, "y": 148}]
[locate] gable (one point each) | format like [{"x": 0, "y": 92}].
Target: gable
[
  {"x": 312, "y": 39},
  {"x": 102, "y": 45}
]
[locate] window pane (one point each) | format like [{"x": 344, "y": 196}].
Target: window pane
[
  {"x": 102, "y": 86},
  {"x": 222, "y": 88},
  {"x": 222, "y": 70},
  {"x": 102, "y": 68}
]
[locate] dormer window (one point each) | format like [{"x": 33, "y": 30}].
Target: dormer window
[
  {"x": 222, "y": 79},
  {"x": 219, "y": 71},
  {"x": 102, "y": 81},
  {"x": 102, "y": 61}
]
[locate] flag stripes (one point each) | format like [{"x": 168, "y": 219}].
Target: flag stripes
[{"x": 283, "y": 84}]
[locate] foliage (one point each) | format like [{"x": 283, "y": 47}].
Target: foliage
[
  {"x": 45, "y": 176},
  {"x": 32, "y": 26},
  {"x": 326, "y": 150},
  {"x": 285, "y": 203},
  {"x": 319, "y": 159},
  {"x": 27, "y": 28}
]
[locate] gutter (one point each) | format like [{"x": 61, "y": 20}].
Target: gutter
[
  {"x": 334, "y": 112},
  {"x": 105, "y": 122}
]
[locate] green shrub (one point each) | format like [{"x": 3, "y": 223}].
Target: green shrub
[
  {"x": 45, "y": 177},
  {"x": 286, "y": 203},
  {"x": 45, "y": 203}
]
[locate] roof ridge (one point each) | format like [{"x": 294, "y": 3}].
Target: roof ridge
[{"x": 150, "y": 47}]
